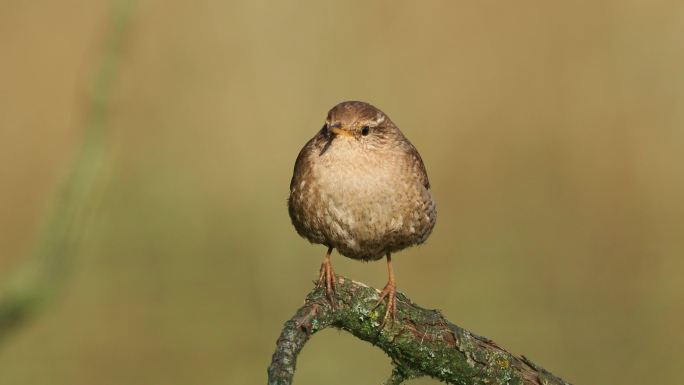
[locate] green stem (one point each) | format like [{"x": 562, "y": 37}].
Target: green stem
[{"x": 58, "y": 241}]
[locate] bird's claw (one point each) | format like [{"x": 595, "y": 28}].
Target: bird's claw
[
  {"x": 327, "y": 279},
  {"x": 389, "y": 292}
]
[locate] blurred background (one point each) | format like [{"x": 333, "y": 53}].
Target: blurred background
[{"x": 146, "y": 149}]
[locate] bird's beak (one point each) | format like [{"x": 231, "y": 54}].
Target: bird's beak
[{"x": 340, "y": 132}]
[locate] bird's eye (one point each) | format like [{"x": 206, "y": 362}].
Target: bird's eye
[{"x": 365, "y": 130}]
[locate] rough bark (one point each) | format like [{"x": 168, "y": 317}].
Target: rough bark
[{"x": 420, "y": 342}]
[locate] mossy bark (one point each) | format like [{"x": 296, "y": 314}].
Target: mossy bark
[{"x": 420, "y": 342}]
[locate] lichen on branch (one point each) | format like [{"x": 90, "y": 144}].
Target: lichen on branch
[{"x": 420, "y": 342}]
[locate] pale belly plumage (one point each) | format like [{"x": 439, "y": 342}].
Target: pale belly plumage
[{"x": 363, "y": 207}]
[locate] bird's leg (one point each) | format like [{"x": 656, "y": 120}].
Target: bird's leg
[
  {"x": 389, "y": 292},
  {"x": 327, "y": 277}
]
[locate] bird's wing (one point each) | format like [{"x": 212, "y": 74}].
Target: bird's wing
[
  {"x": 299, "y": 167},
  {"x": 418, "y": 165}
]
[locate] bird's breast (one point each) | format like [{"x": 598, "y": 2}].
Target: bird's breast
[{"x": 363, "y": 204}]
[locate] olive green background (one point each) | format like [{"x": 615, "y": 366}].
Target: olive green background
[{"x": 552, "y": 132}]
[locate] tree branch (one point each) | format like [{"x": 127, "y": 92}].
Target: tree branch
[{"x": 420, "y": 342}]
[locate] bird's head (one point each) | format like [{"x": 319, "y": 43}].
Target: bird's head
[{"x": 360, "y": 122}]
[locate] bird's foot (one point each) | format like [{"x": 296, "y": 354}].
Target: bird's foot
[
  {"x": 328, "y": 280},
  {"x": 389, "y": 292}
]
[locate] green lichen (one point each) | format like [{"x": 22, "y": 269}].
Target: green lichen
[{"x": 419, "y": 342}]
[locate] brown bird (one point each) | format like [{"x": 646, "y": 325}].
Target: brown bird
[{"x": 359, "y": 186}]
